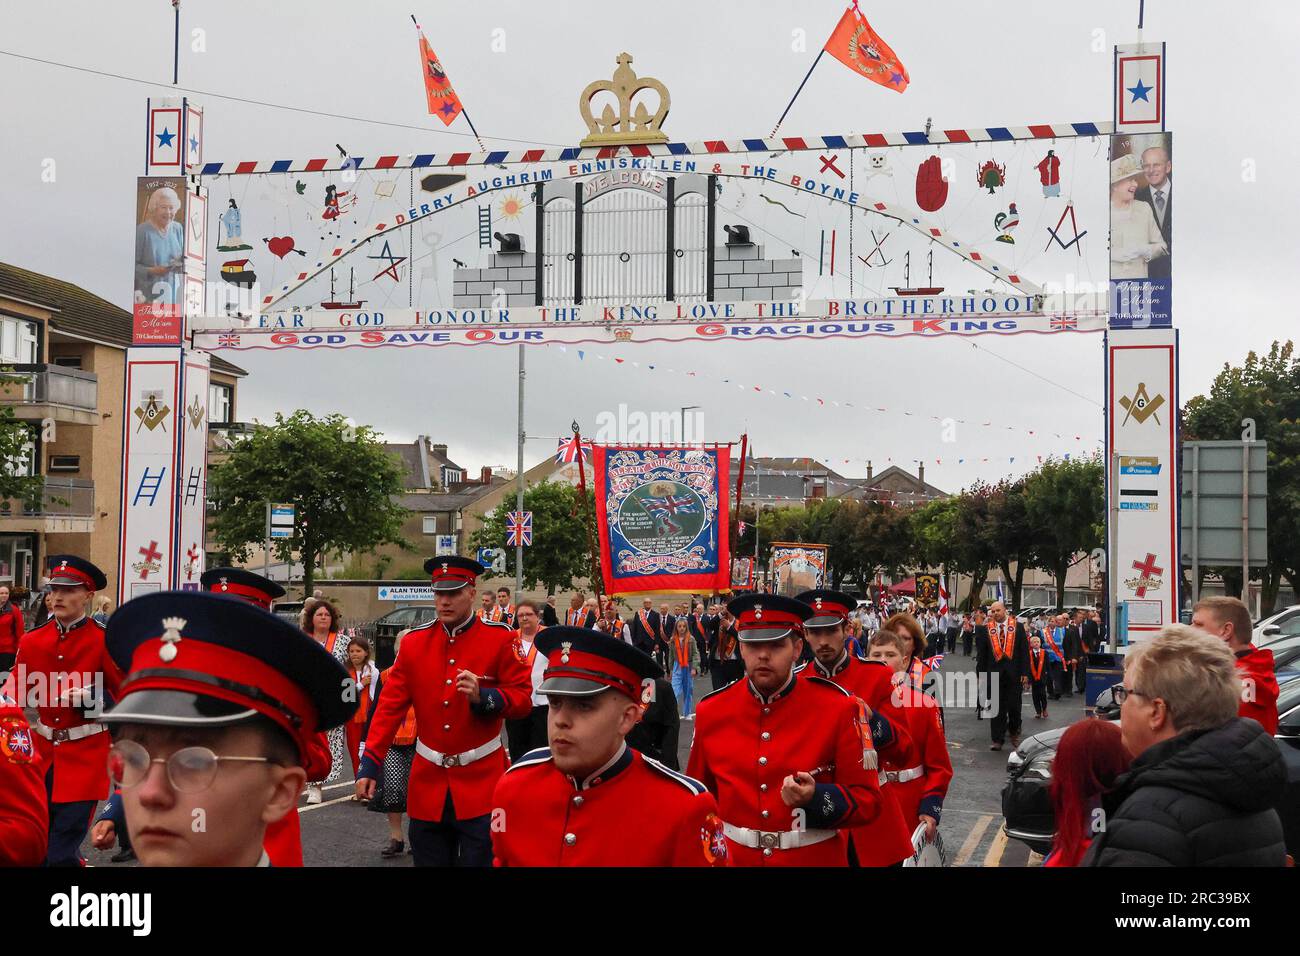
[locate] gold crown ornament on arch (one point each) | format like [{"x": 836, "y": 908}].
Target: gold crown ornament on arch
[{"x": 627, "y": 126}]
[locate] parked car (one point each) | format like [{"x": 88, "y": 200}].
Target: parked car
[
  {"x": 393, "y": 623},
  {"x": 1284, "y": 623},
  {"x": 290, "y": 611},
  {"x": 1027, "y": 808}
]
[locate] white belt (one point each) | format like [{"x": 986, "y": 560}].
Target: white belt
[
  {"x": 780, "y": 840},
  {"x": 63, "y": 735},
  {"x": 902, "y": 776},
  {"x": 457, "y": 760}
]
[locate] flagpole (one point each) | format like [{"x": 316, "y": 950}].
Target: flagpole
[
  {"x": 176, "y": 44},
  {"x": 463, "y": 112},
  {"x": 582, "y": 503},
  {"x": 796, "y": 92}
]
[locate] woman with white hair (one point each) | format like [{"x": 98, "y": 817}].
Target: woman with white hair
[
  {"x": 159, "y": 249},
  {"x": 1203, "y": 782}
]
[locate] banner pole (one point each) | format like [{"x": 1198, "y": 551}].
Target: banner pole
[{"x": 596, "y": 580}]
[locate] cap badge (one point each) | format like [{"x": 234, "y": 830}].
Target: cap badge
[
  {"x": 225, "y": 584},
  {"x": 63, "y": 565},
  {"x": 565, "y": 647},
  {"x": 171, "y": 637},
  {"x": 444, "y": 567},
  {"x": 817, "y": 603},
  {"x": 758, "y": 612}
]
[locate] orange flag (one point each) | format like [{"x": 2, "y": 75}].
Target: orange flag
[
  {"x": 860, "y": 48},
  {"x": 443, "y": 101}
]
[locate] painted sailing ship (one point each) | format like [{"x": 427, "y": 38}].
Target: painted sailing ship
[
  {"x": 907, "y": 277},
  {"x": 334, "y": 304}
]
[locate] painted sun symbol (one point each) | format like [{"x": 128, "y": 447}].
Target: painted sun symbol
[{"x": 512, "y": 207}]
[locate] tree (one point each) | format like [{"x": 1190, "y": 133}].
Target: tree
[
  {"x": 1260, "y": 400},
  {"x": 559, "y": 554},
  {"x": 16, "y": 441},
  {"x": 1010, "y": 534},
  {"x": 1065, "y": 508},
  {"x": 338, "y": 476}
]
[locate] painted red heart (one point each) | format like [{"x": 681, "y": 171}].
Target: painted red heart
[{"x": 280, "y": 245}]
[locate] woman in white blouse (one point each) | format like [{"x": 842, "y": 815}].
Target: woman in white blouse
[{"x": 1134, "y": 235}]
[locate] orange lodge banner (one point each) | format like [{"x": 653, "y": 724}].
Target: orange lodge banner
[
  {"x": 855, "y": 44},
  {"x": 443, "y": 101}
]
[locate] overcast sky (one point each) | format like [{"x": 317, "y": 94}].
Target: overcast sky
[{"x": 730, "y": 69}]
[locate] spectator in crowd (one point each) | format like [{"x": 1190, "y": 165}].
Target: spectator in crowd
[
  {"x": 321, "y": 621},
  {"x": 967, "y": 633},
  {"x": 390, "y": 795},
  {"x": 579, "y": 615},
  {"x": 1038, "y": 676},
  {"x": 364, "y": 676},
  {"x": 595, "y": 611},
  {"x": 528, "y": 733},
  {"x": 11, "y": 630},
  {"x": 610, "y": 623},
  {"x": 1089, "y": 758},
  {"x": 686, "y": 665},
  {"x": 103, "y": 610},
  {"x": 1203, "y": 782},
  {"x": 1228, "y": 619},
  {"x": 550, "y": 617}
]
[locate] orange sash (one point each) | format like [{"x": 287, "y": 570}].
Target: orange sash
[
  {"x": 1002, "y": 646},
  {"x": 1036, "y": 659},
  {"x": 683, "y": 648}
]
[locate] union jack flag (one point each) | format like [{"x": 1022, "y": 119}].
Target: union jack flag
[
  {"x": 667, "y": 507},
  {"x": 519, "y": 529},
  {"x": 1063, "y": 322},
  {"x": 566, "y": 453},
  {"x": 231, "y": 339},
  {"x": 935, "y": 662}
]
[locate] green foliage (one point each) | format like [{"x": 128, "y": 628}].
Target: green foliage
[
  {"x": 1066, "y": 508},
  {"x": 338, "y": 476},
  {"x": 559, "y": 553},
  {"x": 15, "y": 436},
  {"x": 1265, "y": 391}
]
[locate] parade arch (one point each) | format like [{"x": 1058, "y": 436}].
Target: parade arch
[{"x": 641, "y": 239}]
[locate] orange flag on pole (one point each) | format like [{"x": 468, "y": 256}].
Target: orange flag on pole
[
  {"x": 443, "y": 101},
  {"x": 860, "y": 48}
]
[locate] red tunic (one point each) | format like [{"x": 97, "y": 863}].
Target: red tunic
[
  {"x": 11, "y": 628},
  {"x": 745, "y": 746},
  {"x": 50, "y": 661},
  {"x": 424, "y": 677},
  {"x": 887, "y": 839},
  {"x": 24, "y": 820},
  {"x": 1258, "y": 686},
  {"x": 634, "y": 812},
  {"x": 930, "y": 753}
]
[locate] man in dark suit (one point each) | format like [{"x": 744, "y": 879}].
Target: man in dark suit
[
  {"x": 579, "y": 615},
  {"x": 645, "y": 628},
  {"x": 701, "y": 634},
  {"x": 1158, "y": 193},
  {"x": 550, "y": 618},
  {"x": 1074, "y": 658},
  {"x": 1089, "y": 642},
  {"x": 1002, "y": 661}
]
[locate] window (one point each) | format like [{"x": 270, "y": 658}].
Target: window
[
  {"x": 65, "y": 463},
  {"x": 17, "y": 341},
  {"x": 430, "y": 524},
  {"x": 452, "y": 476},
  {"x": 67, "y": 361},
  {"x": 219, "y": 402}
]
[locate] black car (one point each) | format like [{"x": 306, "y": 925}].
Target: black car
[
  {"x": 393, "y": 623},
  {"x": 1027, "y": 808}
]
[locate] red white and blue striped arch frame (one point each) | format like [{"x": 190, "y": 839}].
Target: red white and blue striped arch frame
[{"x": 988, "y": 134}]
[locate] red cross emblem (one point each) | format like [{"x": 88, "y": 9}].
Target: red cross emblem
[
  {"x": 150, "y": 555},
  {"x": 1146, "y": 570},
  {"x": 830, "y": 164}
]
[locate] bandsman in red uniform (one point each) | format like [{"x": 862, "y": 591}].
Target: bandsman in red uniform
[
  {"x": 283, "y": 836},
  {"x": 24, "y": 821},
  {"x": 63, "y": 671},
  {"x": 789, "y": 759},
  {"x": 220, "y": 706},
  {"x": 589, "y": 799},
  {"x": 464, "y": 676},
  {"x": 920, "y": 783},
  {"x": 887, "y": 840}
]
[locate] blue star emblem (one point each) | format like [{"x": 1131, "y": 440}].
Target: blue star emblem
[
  {"x": 194, "y": 144},
  {"x": 165, "y": 137},
  {"x": 896, "y": 78},
  {"x": 447, "y": 108},
  {"x": 1140, "y": 92}
]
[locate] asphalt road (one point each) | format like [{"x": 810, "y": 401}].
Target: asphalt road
[{"x": 341, "y": 832}]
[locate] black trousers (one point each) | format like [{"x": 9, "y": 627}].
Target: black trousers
[
  {"x": 1007, "y": 719},
  {"x": 1056, "y": 679},
  {"x": 1081, "y": 675},
  {"x": 723, "y": 673},
  {"x": 527, "y": 733},
  {"x": 451, "y": 842},
  {"x": 69, "y": 823},
  {"x": 967, "y": 639},
  {"x": 1039, "y": 689},
  {"x": 7, "y": 662}
]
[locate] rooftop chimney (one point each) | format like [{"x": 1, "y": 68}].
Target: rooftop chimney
[
  {"x": 485, "y": 476},
  {"x": 440, "y": 450},
  {"x": 868, "y": 471},
  {"x": 920, "y": 472}
]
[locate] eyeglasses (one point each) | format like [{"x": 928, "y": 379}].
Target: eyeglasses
[
  {"x": 189, "y": 770},
  {"x": 1120, "y": 693}
]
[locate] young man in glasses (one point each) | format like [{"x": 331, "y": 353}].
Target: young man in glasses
[{"x": 220, "y": 703}]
